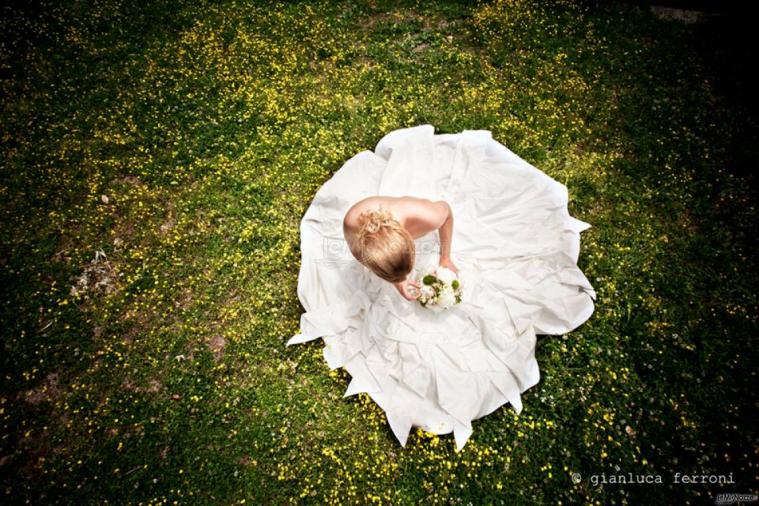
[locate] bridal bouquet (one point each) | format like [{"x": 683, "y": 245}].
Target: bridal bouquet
[{"x": 440, "y": 289}]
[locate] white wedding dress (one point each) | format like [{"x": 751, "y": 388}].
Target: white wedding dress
[{"x": 515, "y": 245}]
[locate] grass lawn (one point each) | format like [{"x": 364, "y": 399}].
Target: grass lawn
[{"x": 156, "y": 159}]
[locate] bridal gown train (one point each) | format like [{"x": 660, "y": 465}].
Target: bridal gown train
[{"x": 515, "y": 245}]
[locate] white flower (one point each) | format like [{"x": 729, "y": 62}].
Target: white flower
[
  {"x": 445, "y": 275},
  {"x": 440, "y": 294},
  {"x": 447, "y": 298}
]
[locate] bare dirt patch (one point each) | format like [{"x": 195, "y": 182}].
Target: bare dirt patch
[
  {"x": 48, "y": 391},
  {"x": 154, "y": 386},
  {"x": 98, "y": 277},
  {"x": 216, "y": 344},
  {"x": 170, "y": 220}
]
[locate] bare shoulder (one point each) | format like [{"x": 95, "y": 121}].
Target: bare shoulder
[
  {"x": 424, "y": 215},
  {"x": 418, "y": 215},
  {"x": 426, "y": 209},
  {"x": 350, "y": 220}
]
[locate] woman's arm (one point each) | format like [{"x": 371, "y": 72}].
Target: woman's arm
[
  {"x": 424, "y": 217},
  {"x": 446, "y": 233}
]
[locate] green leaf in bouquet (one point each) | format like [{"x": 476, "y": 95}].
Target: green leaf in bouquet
[{"x": 429, "y": 279}]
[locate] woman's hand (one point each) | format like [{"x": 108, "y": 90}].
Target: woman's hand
[
  {"x": 408, "y": 288},
  {"x": 447, "y": 263}
]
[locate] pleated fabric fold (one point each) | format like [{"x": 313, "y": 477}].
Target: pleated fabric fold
[{"x": 516, "y": 247}]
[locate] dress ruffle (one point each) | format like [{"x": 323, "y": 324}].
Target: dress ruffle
[{"x": 515, "y": 245}]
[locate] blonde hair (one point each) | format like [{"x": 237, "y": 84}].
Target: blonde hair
[{"x": 384, "y": 246}]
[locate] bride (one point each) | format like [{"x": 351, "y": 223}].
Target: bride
[
  {"x": 381, "y": 231},
  {"x": 366, "y": 237}
]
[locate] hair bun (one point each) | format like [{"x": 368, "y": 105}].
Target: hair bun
[{"x": 372, "y": 221}]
